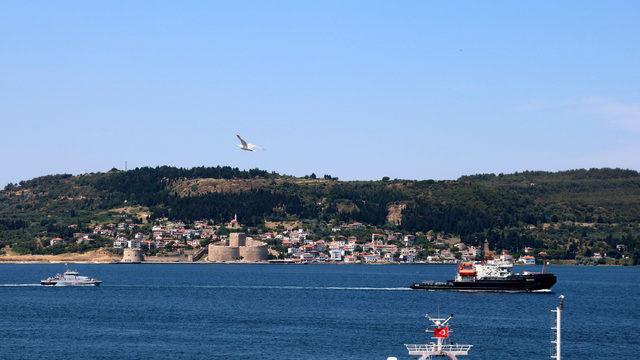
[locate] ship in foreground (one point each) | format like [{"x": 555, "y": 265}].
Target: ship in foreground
[
  {"x": 442, "y": 346},
  {"x": 70, "y": 278},
  {"x": 492, "y": 275}
]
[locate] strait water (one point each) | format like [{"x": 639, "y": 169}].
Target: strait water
[{"x": 304, "y": 312}]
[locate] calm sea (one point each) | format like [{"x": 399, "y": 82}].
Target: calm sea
[{"x": 304, "y": 312}]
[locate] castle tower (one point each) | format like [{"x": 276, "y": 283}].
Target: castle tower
[
  {"x": 132, "y": 255},
  {"x": 237, "y": 239}
]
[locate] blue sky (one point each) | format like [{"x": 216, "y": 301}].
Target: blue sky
[{"x": 356, "y": 89}]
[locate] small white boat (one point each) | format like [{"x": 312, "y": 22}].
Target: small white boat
[{"x": 70, "y": 278}]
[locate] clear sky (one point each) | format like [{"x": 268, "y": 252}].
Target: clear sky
[{"x": 356, "y": 89}]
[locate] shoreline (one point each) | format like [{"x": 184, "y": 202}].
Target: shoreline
[{"x": 58, "y": 262}]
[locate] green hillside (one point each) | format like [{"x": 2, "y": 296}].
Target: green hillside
[{"x": 570, "y": 213}]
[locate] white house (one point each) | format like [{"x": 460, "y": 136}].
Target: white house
[
  {"x": 134, "y": 244},
  {"x": 336, "y": 254},
  {"x": 527, "y": 260}
]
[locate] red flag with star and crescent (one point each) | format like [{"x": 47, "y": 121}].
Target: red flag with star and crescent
[{"x": 441, "y": 332}]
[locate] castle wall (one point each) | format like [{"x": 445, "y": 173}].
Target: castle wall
[
  {"x": 223, "y": 253},
  {"x": 254, "y": 253},
  {"x": 240, "y": 248}
]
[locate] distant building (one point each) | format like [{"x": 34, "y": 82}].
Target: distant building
[
  {"x": 56, "y": 241},
  {"x": 408, "y": 239},
  {"x": 447, "y": 255},
  {"x": 527, "y": 260},
  {"x": 371, "y": 258},
  {"x": 234, "y": 223},
  {"x": 84, "y": 240},
  {"x": 133, "y": 244},
  {"x": 408, "y": 255},
  {"x": 355, "y": 225},
  {"x": 505, "y": 256},
  {"x": 120, "y": 243},
  {"x": 335, "y": 255},
  {"x": 308, "y": 256}
]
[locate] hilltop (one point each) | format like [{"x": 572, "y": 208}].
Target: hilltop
[{"x": 568, "y": 213}]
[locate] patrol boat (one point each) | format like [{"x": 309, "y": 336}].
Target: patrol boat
[
  {"x": 492, "y": 275},
  {"x": 70, "y": 278}
]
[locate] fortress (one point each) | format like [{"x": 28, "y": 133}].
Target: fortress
[
  {"x": 132, "y": 255},
  {"x": 238, "y": 248}
]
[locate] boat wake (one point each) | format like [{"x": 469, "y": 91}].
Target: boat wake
[
  {"x": 347, "y": 288},
  {"x": 268, "y": 287},
  {"x": 19, "y": 285}
]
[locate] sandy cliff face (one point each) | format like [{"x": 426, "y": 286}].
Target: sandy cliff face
[
  {"x": 98, "y": 256},
  {"x": 395, "y": 213}
]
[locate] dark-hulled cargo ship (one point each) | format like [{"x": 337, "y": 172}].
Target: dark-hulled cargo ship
[{"x": 491, "y": 276}]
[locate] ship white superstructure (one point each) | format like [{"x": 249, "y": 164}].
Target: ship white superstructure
[
  {"x": 70, "y": 278},
  {"x": 441, "y": 347}
]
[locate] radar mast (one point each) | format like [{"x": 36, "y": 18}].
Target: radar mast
[{"x": 441, "y": 347}]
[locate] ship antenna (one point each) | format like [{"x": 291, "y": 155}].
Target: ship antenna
[{"x": 442, "y": 346}]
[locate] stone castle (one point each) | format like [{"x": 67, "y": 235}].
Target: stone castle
[
  {"x": 238, "y": 248},
  {"x": 132, "y": 255}
]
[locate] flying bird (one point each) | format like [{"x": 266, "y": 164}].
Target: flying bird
[{"x": 246, "y": 146}]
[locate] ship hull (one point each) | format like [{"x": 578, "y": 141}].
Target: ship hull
[
  {"x": 63, "y": 283},
  {"x": 514, "y": 283}
]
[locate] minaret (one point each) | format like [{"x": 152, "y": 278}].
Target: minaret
[{"x": 486, "y": 252}]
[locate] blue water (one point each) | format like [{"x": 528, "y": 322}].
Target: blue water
[{"x": 304, "y": 312}]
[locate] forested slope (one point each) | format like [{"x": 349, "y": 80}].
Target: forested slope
[{"x": 564, "y": 211}]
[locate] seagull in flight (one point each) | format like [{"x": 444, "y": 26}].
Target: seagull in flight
[{"x": 246, "y": 146}]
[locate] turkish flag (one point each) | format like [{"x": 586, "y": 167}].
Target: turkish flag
[{"x": 441, "y": 332}]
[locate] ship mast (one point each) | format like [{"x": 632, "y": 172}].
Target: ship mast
[
  {"x": 439, "y": 348},
  {"x": 557, "y": 342}
]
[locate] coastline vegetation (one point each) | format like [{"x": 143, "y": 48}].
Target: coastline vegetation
[{"x": 569, "y": 214}]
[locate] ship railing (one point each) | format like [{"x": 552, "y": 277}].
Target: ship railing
[{"x": 418, "y": 348}]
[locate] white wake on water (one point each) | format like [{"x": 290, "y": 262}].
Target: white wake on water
[
  {"x": 250, "y": 287},
  {"x": 268, "y": 287}
]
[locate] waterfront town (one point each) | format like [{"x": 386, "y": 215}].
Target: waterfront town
[{"x": 164, "y": 240}]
